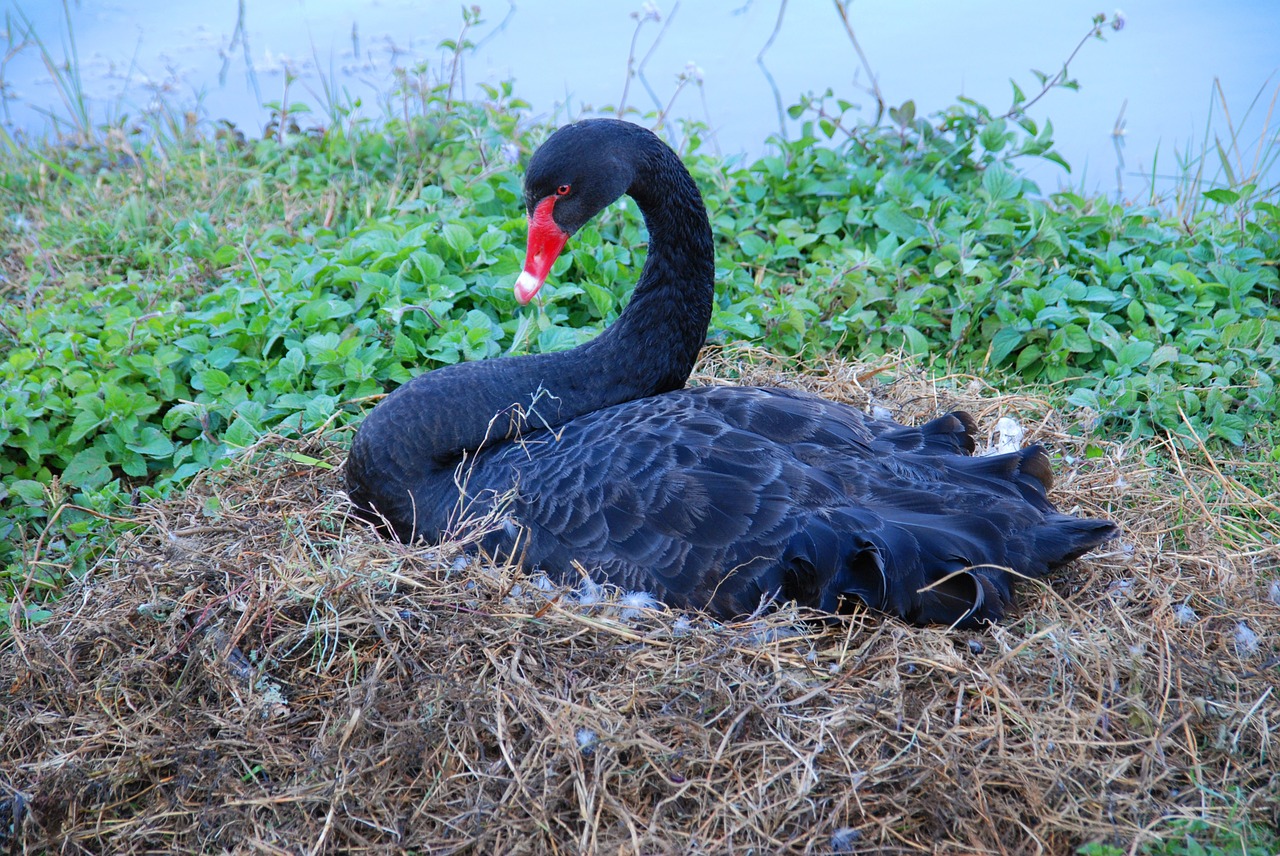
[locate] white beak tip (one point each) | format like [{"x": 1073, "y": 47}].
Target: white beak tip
[{"x": 527, "y": 286}]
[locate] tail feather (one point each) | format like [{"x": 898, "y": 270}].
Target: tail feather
[
  {"x": 951, "y": 433},
  {"x": 1035, "y": 463},
  {"x": 828, "y": 568},
  {"x": 961, "y": 574},
  {"x": 955, "y": 599},
  {"x": 1031, "y": 462},
  {"x": 1062, "y": 538}
]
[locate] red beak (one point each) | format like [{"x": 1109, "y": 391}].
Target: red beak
[{"x": 546, "y": 240}]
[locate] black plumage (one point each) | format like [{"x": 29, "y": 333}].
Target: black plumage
[{"x": 718, "y": 498}]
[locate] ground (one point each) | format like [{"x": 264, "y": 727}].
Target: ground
[{"x": 250, "y": 670}]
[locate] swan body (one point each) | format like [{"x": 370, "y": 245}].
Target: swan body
[{"x": 717, "y": 498}]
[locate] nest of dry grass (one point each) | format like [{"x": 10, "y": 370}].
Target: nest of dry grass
[{"x": 250, "y": 671}]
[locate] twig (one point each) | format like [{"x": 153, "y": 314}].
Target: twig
[
  {"x": 777, "y": 95},
  {"x": 691, "y": 73},
  {"x": 35, "y": 554},
  {"x": 457, "y": 58},
  {"x": 1095, "y": 32},
  {"x": 500, "y": 27},
  {"x": 640, "y": 18},
  {"x": 842, "y": 8},
  {"x": 1117, "y": 140},
  {"x": 1231, "y": 128},
  {"x": 657, "y": 102}
]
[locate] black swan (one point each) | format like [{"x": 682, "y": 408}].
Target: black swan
[{"x": 716, "y": 498}]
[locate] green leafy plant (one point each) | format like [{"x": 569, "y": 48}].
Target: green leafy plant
[
  {"x": 930, "y": 240},
  {"x": 1199, "y": 838}
]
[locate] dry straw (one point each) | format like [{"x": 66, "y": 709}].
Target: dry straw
[{"x": 249, "y": 671}]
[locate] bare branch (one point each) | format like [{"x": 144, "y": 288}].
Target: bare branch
[
  {"x": 777, "y": 96},
  {"x": 842, "y": 8}
]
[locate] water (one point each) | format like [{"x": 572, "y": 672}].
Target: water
[{"x": 224, "y": 58}]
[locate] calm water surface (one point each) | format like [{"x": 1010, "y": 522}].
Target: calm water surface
[{"x": 226, "y": 57}]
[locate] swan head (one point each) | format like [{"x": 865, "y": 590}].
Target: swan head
[{"x": 579, "y": 170}]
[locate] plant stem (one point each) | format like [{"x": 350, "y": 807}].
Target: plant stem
[{"x": 842, "y": 8}]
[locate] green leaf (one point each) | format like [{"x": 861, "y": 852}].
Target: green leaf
[
  {"x": 1222, "y": 195},
  {"x": 116, "y": 400},
  {"x": 601, "y": 298},
  {"x": 994, "y": 136},
  {"x": 1135, "y": 353},
  {"x": 556, "y": 338},
  {"x": 133, "y": 464},
  {"x": 1028, "y": 356},
  {"x": 917, "y": 342},
  {"x": 1077, "y": 340},
  {"x": 239, "y": 434},
  {"x": 212, "y": 381},
  {"x": 1003, "y": 344},
  {"x": 997, "y": 227},
  {"x": 1162, "y": 355},
  {"x": 86, "y": 422},
  {"x": 1000, "y": 183},
  {"x": 307, "y": 460},
  {"x": 318, "y": 411},
  {"x": 404, "y": 348},
  {"x": 753, "y": 246},
  {"x": 221, "y": 357},
  {"x": 457, "y": 236},
  {"x": 153, "y": 443},
  {"x": 1084, "y": 398},
  {"x": 30, "y": 491},
  {"x": 742, "y": 325},
  {"x": 1229, "y": 427},
  {"x": 87, "y": 469},
  {"x": 830, "y": 224},
  {"x": 890, "y": 217}
]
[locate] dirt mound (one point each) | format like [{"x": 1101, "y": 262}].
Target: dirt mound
[{"x": 251, "y": 671}]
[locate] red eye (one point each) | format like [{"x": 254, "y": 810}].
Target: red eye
[{"x": 562, "y": 190}]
